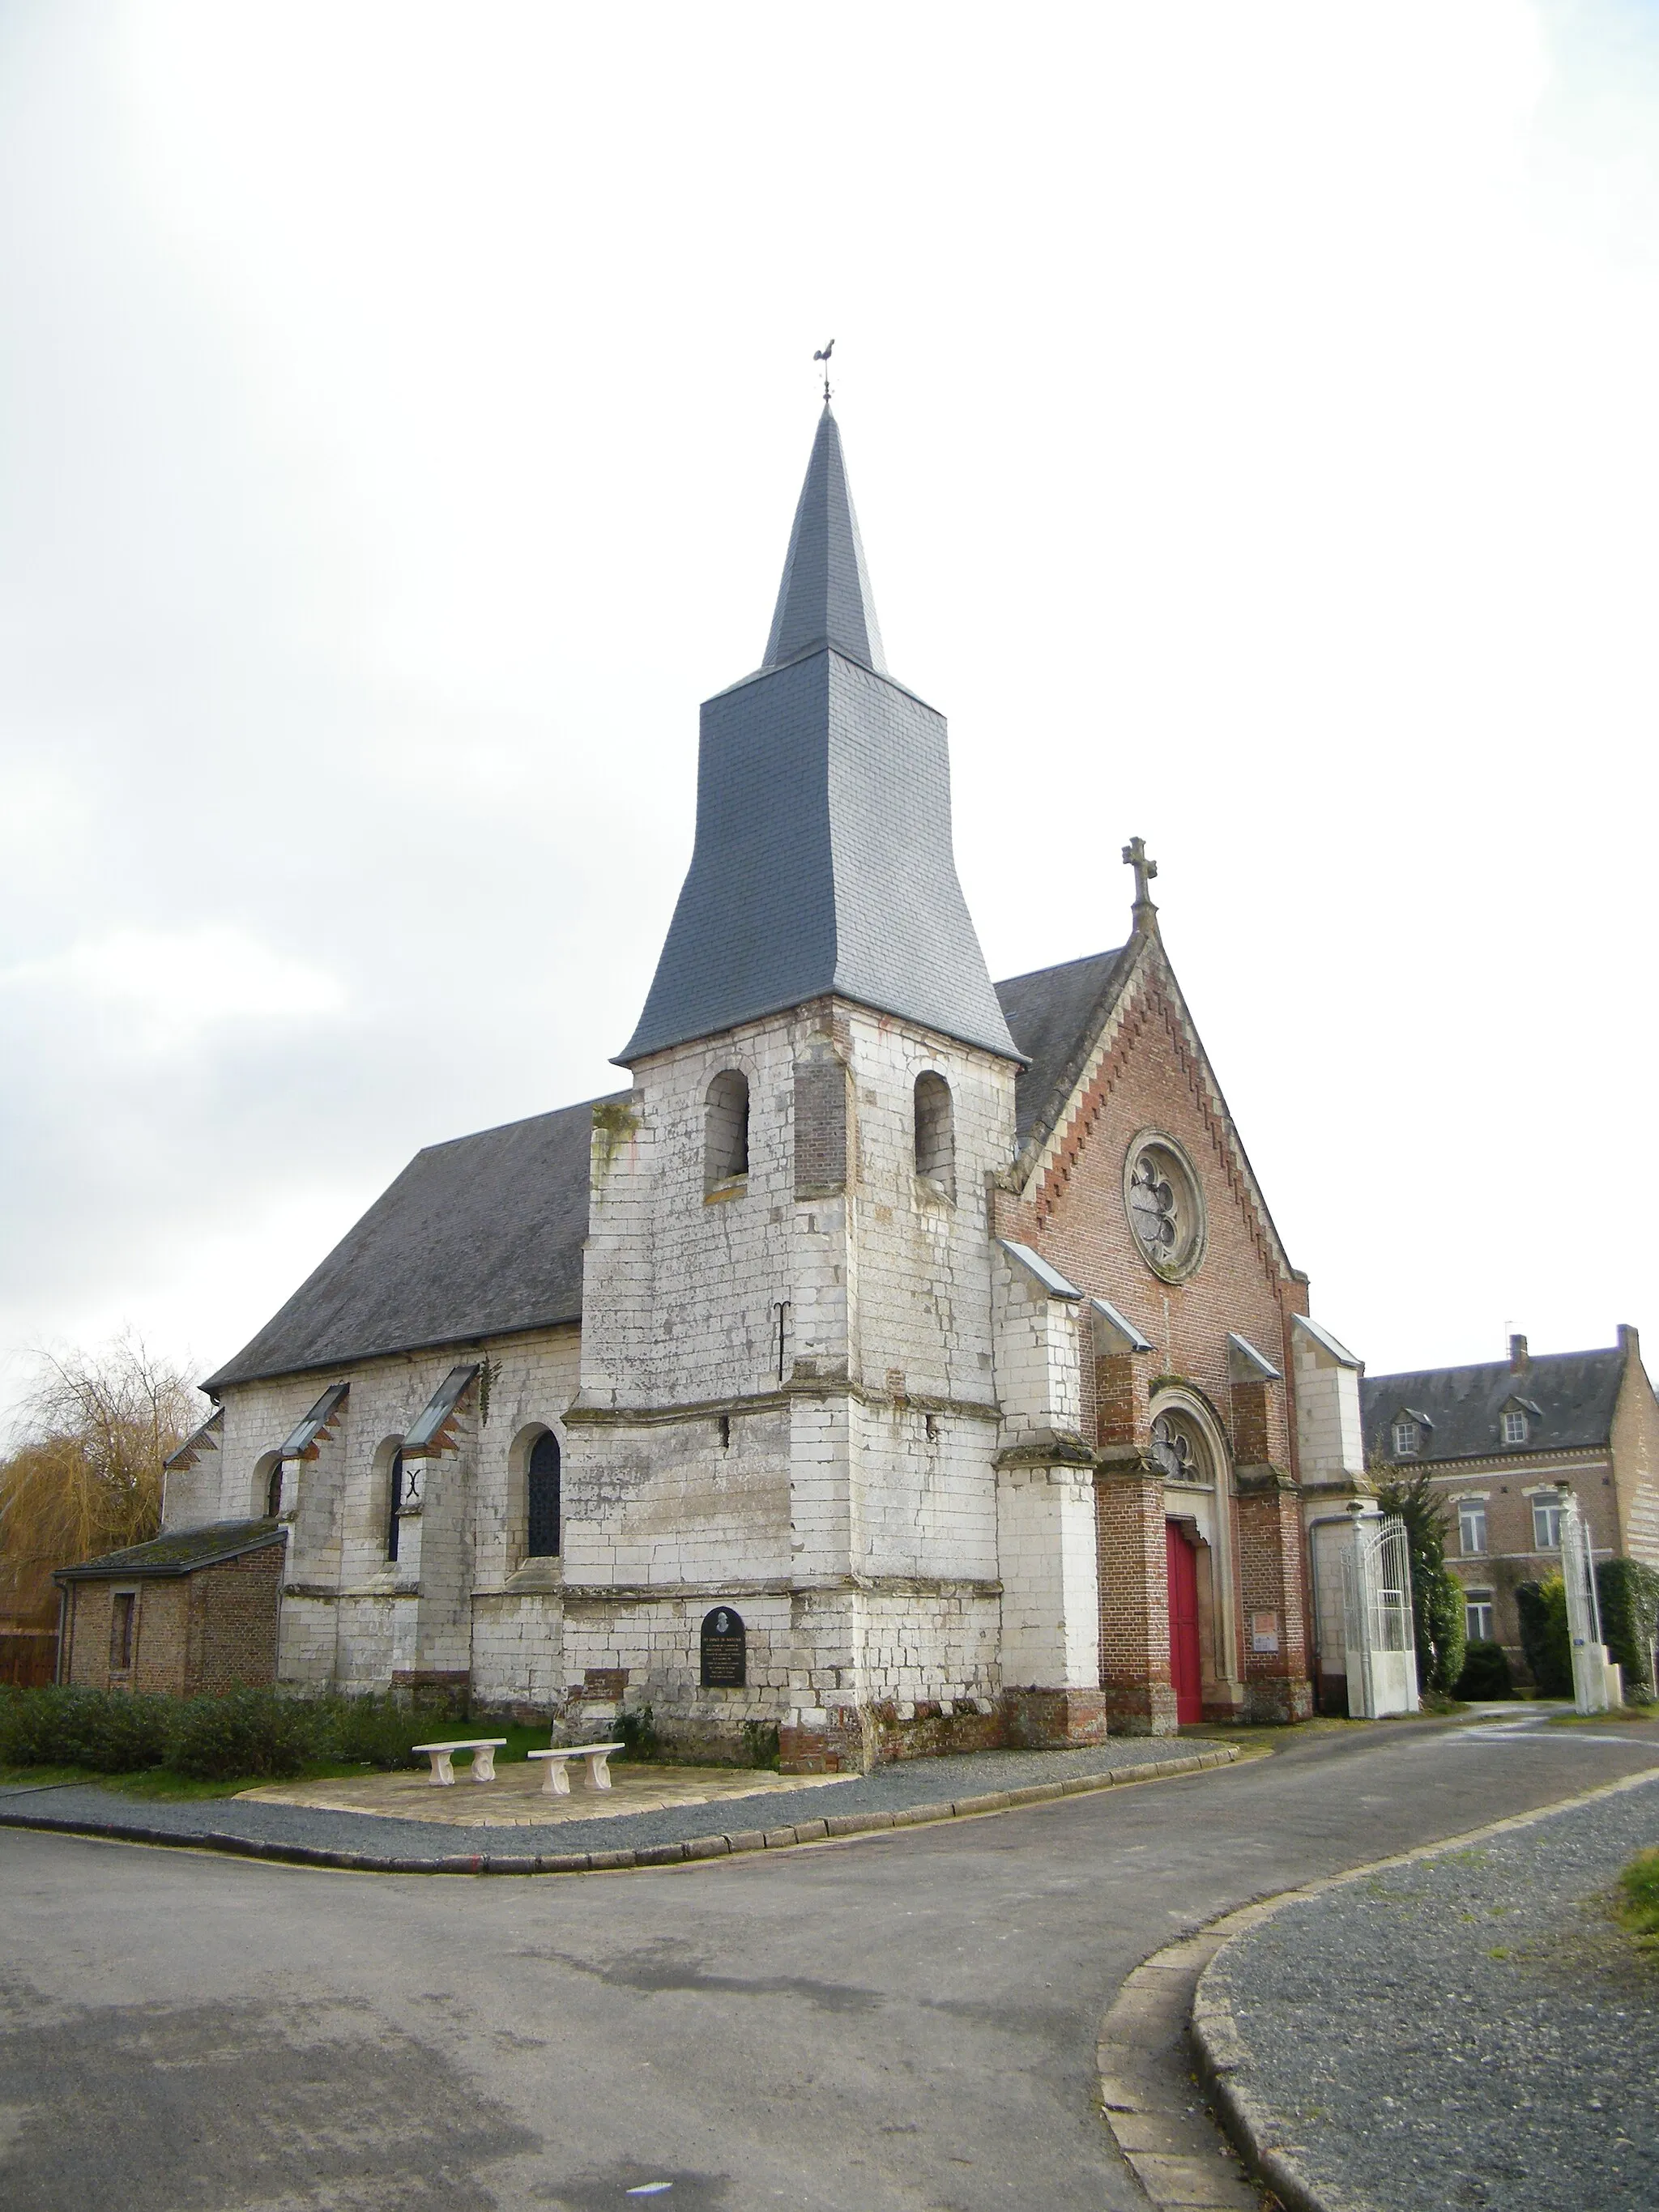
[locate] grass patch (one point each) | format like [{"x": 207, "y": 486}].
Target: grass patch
[
  {"x": 1637, "y": 1903},
  {"x": 1595, "y": 1720}
]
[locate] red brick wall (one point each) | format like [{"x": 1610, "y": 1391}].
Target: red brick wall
[
  {"x": 234, "y": 1622},
  {"x": 1075, "y": 1218},
  {"x": 212, "y": 1631}
]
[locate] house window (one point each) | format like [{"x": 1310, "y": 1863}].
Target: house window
[
  {"x": 726, "y": 1128},
  {"x": 120, "y": 1631},
  {"x": 1515, "y": 1428},
  {"x": 1546, "y": 1520},
  {"x": 1478, "y": 1622},
  {"x": 1471, "y": 1526},
  {"x": 542, "y": 1482},
  {"x": 935, "y": 1138},
  {"x": 394, "y": 1499},
  {"x": 1407, "y": 1437}
]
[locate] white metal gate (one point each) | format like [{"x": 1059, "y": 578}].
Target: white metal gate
[
  {"x": 1377, "y": 1609},
  {"x": 1589, "y": 1660}
]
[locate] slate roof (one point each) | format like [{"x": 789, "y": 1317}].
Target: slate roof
[
  {"x": 1054, "y": 1014},
  {"x": 179, "y": 1554},
  {"x": 823, "y": 860},
  {"x": 1574, "y": 1392},
  {"x": 825, "y": 597},
  {"x": 476, "y": 1237}
]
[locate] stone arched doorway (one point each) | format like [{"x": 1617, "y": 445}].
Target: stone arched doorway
[{"x": 1189, "y": 1444}]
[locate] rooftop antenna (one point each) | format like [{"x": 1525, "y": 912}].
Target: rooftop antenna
[{"x": 823, "y": 354}]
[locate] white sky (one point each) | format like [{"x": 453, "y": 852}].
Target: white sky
[{"x": 1251, "y": 413}]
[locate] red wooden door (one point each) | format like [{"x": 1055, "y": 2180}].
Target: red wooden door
[{"x": 1185, "y": 1670}]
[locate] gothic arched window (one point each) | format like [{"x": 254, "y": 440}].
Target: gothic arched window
[
  {"x": 726, "y": 1128},
  {"x": 1179, "y": 1449},
  {"x": 935, "y": 1133},
  {"x": 542, "y": 1479}
]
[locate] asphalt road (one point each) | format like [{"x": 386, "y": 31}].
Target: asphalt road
[{"x": 905, "y": 2021}]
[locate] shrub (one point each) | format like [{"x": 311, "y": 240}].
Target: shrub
[
  {"x": 122, "y": 1734},
  {"x": 1485, "y": 1672},
  {"x": 760, "y": 1741},
  {"x": 1629, "y": 1595},
  {"x": 1542, "y": 1606},
  {"x": 376, "y": 1731},
  {"x": 254, "y": 1732},
  {"x": 638, "y": 1730},
  {"x": 1437, "y": 1595}
]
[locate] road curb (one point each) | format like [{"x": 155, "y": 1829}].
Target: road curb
[
  {"x": 831, "y": 1829},
  {"x": 1223, "y": 2053}
]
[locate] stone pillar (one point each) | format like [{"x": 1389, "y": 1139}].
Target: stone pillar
[
  {"x": 1134, "y": 1593},
  {"x": 1047, "y": 1547},
  {"x": 1272, "y": 1587}
]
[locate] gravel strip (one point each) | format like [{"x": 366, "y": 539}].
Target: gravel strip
[
  {"x": 914, "y": 1788},
  {"x": 1471, "y": 2029}
]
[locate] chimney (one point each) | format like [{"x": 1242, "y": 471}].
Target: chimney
[
  {"x": 1630, "y": 1342},
  {"x": 1517, "y": 1353}
]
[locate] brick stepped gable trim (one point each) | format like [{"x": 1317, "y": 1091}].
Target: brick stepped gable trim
[{"x": 1149, "y": 990}]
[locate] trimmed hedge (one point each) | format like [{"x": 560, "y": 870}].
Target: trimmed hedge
[
  {"x": 1629, "y": 1596},
  {"x": 1485, "y": 1672},
  {"x": 248, "y": 1732},
  {"x": 1545, "y": 1638}
]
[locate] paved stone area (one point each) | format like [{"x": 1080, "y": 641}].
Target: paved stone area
[
  {"x": 778, "y": 1801},
  {"x": 516, "y": 1799},
  {"x": 904, "y": 2023},
  {"x": 1466, "y": 2029}
]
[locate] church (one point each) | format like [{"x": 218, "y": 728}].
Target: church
[{"x": 900, "y": 1362}]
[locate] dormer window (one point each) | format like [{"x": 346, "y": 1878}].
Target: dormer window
[
  {"x": 1515, "y": 1428},
  {"x": 1407, "y": 1439}
]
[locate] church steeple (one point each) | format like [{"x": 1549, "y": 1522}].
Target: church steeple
[
  {"x": 825, "y": 597},
  {"x": 824, "y": 863}
]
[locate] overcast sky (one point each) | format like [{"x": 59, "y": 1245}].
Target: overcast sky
[{"x": 1251, "y": 413}]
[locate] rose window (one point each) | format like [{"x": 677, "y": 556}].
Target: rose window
[{"x": 1165, "y": 1206}]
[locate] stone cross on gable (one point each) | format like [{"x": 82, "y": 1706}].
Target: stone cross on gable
[{"x": 1134, "y": 856}]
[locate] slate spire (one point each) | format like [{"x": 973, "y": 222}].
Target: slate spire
[
  {"x": 823, "y": 862},
  {"x": 825, "y": 597}
]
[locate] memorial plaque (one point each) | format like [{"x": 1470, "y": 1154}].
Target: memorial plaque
[{"x": 725, "y": 1660}]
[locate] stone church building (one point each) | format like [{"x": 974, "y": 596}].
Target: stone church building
[{"x": 902, "y": 1360}]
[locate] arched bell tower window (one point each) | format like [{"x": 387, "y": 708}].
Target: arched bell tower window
[
  {"x": 542, "y": 1482},
  {"x": 726, "y": 1128},
  {"x": 935, "y": 1133}
]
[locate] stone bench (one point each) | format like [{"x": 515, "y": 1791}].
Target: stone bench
[
  {"x": 483, "y": 1748},
  {"x": 598, "y": 1756}
]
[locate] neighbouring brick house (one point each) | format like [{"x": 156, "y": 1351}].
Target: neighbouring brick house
[
  {"x": 901, "y": 1361},
  {"x": 192, "y": 1611},
  {"x": 1498, "y": 1439}
]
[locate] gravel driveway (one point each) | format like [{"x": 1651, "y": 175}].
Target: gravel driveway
[{"x": 1470, "y": 2030}]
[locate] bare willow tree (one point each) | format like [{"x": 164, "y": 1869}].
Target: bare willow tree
[{"x": 84, "y": 1475}]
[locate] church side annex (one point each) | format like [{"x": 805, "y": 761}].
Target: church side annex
[{"x": 902, "y": 1361}]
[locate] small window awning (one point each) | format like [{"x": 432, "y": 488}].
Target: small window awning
[
  {"x": 428, "y": 1437},
  {"x": 311, "y": 1432}
]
